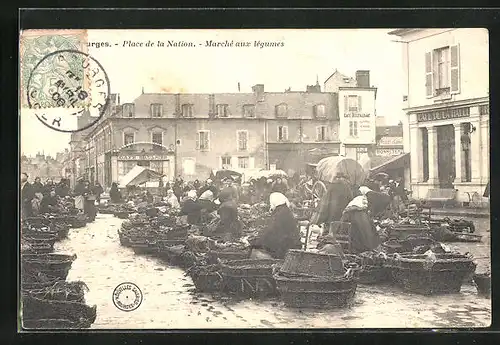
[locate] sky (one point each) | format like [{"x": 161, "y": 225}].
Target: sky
[{"x": 305, "y": 56}]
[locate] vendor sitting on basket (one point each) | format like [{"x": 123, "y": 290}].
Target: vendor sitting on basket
[
  {"x": 206, "y": 202},
  {"x": 363, "y": 234},
  {"x": 283, "y": 231}
]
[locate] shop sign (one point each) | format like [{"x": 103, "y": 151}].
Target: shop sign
[
  {"x": 446, "y": 114},
  {"x": 390, "y": 141},
  {"x": 357, "y": 128},
  {"x": 143, "y": 157},
  {"x": 389, "y": 152}
]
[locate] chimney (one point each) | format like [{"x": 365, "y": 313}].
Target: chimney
[
  {"x": 313, "y": 88},
  {"x": 363, "y": 78},
  {"x": 258, "y": 88}
]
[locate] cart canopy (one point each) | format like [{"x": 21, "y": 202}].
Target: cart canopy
[
  {"x": 138, "y": 175},
  {"x": 329, "y": 167}
]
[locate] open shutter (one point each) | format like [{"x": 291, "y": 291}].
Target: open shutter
[
  {"x": 454, "y": 69},
  {"x": 318, "y": 129},
  {"x": 207, "y": 140},
  {"x": 278, "y": 133},
  {"x": 251, "y": 162},
  {"x": 359, "y": 104},
  {"x": 198, "y": 135},
  {"x": 429, "y": 78},
  {"x": 285, "y": 133},
  {"x": 346, "y": 104}
]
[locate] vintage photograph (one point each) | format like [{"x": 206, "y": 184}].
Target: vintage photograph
[{"x": 219, "y": 179}]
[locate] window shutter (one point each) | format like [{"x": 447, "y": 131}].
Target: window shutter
[
  {"x": 429, "y": 78},
  {"x": 346, "y": 104},
  {"x": 318, "y": 129},
  {"x": 359, "y": 104},
  {"x": 207, "y": 140},
  {"x": 198, "y": 137},
  {"x": 285, "y": 133},
  {"x": 278, "y": 133},
  {"x": 251, "y": 162},
  {"x": 454, "y": 69}
]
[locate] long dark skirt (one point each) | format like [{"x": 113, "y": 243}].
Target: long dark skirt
[{"x": 90, "y": 209}]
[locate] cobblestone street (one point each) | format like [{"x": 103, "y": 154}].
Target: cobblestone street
[{"x": 170, "y": 302}]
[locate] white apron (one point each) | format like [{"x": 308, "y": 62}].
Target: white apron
[{"x": 79, "y": 202}]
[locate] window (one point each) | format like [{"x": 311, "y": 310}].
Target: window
[
  {"x": 124, "y": 167},
  {"x": 222, "y": 110},
  {"x": 157, "y": 138},
  {"x": 353, "y": 103},
  {"x": 156, "y": 166},
  {"x": 242, "y": 140},
  {"x": 128, "y": 110},
  {"x": 281, "y": 110},
  {"x": 353, "y": 128},
  {"x": 203, "y": 141},
  {"x": 156, "y": 110},
  {"x": 425, "y": 154},
  {"x": 442, "y": 71},
  {"x": 128, "y": 138},
  {"x": 249, "y": 110},
  {"x": 320, "y": 110},
  {"x": 187, "y": 110},
  {"x": 226, "y": 162},
  {"x": 243, "y": 162},
  {"x": 321, "y": 133},
  {"x": 282, "y": 133}
]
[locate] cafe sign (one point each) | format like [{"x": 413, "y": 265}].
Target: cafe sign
[
  {"x": 445, "y": 114},
  {"x": 143, "y": 157}
]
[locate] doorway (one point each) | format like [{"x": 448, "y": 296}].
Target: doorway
[{"x": 446, "y": 155}]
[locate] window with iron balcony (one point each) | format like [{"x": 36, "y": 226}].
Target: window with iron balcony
[
  {"x": 157, "y": 139},
  {"x": 156, "y": 110}
]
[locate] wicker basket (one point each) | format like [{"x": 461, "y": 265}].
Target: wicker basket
[
  {"x": 394, "y": 246},
  {"x": 39, "y": 248},
  {"x": 206, "y": 278},
  {"x": 37, "y": 308},
  {"x": 144, "y": 247},
  {"x": 172, "y": 255},
  {"x": 402, "y": 231},
  {"x": 216, "y": 256},
  {"x": 483, "y": 284},
  {"x": 250, "y": 277},
  {"x": 38, "y": 281},
  {"x": 179, "y": 232},
  {"x": 57, "y": 295},
  {"x": 55, "y": 265},
  {"x": 316, "y": 292},
  {"x": 414, "y": 273},
  {"x": 370, "y": 271},
  {"x": 121, "y": 214},
  {"x": 299, "y": 262}
]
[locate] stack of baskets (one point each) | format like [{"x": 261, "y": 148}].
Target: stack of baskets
[
  {"x": 313, "y": 280},
  {"x": 47, "y": 300},
  {"x": 371, "y": 267},
  {"x": 443, "y": 273}
]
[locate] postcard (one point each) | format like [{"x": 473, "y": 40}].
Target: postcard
[{"x": 219, "y": 179}]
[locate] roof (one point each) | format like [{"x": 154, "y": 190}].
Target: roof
[
  {"x": 342, "y": 75},
  {"x": 138, "y": 175}
]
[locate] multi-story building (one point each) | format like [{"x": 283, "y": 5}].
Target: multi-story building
[
  {"x": 357, "y": 113},
  {"x": 446, "y": 100},
  {"x": 44, "y": 166},
  {"x": 192, "y": 134}
]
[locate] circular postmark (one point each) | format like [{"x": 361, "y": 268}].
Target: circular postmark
[
  {"x": 127, "y": 297},
  {"x": 65, "y": 85}
]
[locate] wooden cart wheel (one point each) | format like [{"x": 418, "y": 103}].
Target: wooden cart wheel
[{"x": 318, "y": 190}]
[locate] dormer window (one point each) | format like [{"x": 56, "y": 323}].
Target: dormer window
[
  {"x": 281, "y": 110},
  {"x": 320, "y": 110},
  {"x": 156, "y": 110},
  {"x": 222, "y": 110},
  {"x": 128, "y": 110},
  {"x": 249, "y": 110},
  {"x": 187, "y": 110}
]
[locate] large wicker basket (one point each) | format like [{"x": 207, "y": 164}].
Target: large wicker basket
[
  {"x": 206, "y": 278},
  {"x": 250, "y": 277},
  {"x": 446, "y": 274},
  {"x": 369, "y": 272},
  {"x": 402, "y": 231},
  {"x": 37, "y": 308},
  {"x": 299, "y": 262},
  {"x": 56, "y": 265},
  {"x": 215, "y": 256},
  {"x": 316, "y": 292},
  {"x": 144, "y": 247}
]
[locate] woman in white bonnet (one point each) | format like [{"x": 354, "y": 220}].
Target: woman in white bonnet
[{"x": 171, "y": 199}]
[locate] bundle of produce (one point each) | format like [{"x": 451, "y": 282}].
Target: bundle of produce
[
  {"x": 164, "y": 220},
  {"x": 56, "y": 265},
  {"x": 74, "y": 313},
  {"x": 224, "y": 251},
  {"x": 199, "y": 244},
  {"x": 206, "y": 278},
  {"x": 459, "y": 225},
  {"x": 61, "y": 291},
  {"x": 431, "y": 273},
  {"x": 250, "y": 277},
  {"x": 137, "y": 220},
  {"x": 370, "y": 268},
  {"x": 482, "y": 281}
]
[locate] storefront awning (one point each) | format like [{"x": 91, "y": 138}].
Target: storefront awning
[
  {"x": 138, "y": 175},
  {"x": 398, "y": 162}
]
